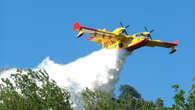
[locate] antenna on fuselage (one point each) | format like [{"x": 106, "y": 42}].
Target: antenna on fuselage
[{"x": 125, "y": 31}]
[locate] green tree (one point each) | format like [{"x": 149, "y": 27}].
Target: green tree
[
  {"x": 159, "y": 104},
  {"x": 191, "y": 97},
  {"x": 126, "y": 91},
  {"x": 32, "y": 91},
  {"x": 182, "y": 102},
  {"x": 98, "y": 100}
]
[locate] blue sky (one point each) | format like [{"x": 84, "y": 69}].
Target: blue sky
[{"x": 31, "y": 30}]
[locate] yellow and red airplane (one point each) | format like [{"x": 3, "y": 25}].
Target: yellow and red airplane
[{"x": 117, "y": 40}]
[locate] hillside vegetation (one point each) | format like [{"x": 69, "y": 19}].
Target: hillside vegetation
[{"x": 35, "y": 91}]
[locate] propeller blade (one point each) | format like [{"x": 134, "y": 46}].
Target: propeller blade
[
  {"x": 150, "y": 37},
  {"x": 126, "y": 32},
  {"x": 127, "y": 26},
  {"x": 121, "y": 24},
  {"x": 146, "y": 29},
  {"x": 152, "y": 31}
]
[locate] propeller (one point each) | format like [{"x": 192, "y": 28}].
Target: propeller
[
  {"x": 125, "y": 28},
  {"x": 146, "y": 29}
]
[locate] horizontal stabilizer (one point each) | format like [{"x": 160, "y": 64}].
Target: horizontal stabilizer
[
  {"x": 80, "y": 33},
  {"x": 90, "y": 38}
]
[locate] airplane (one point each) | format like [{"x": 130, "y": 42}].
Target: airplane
[{"x": 117, "y": 40}]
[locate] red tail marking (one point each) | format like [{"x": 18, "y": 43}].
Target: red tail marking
[{"x": 76, "y": 26}]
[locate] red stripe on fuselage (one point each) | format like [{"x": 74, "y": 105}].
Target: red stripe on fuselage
[{"x": 137, "y": 45}]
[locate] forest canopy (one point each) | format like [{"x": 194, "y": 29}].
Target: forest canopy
[{"x": 22, "y": 92}]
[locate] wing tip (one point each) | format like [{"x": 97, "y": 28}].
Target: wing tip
[
  {"x": 76, "y": 26},
  {"x": 176, "y": 42},
  {"x": 173, "y": 51}
]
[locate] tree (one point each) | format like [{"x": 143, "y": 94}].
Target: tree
[
  {"x": 159, "y": 104},
  {"x": 126, "y": 91},
  {"x": 191, "y": 97},
  {"x": 32, "y": 91},
  {"x": 182, "y": 102},
  {"x": 99, "y": 100}
]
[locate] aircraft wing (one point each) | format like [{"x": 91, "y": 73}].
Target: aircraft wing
[
  {"x": 159, "y": 43},
  {"x": 99, "y": 36},
  {"x": 97, "y": 33},
  {"x": 153, "y": 43}
]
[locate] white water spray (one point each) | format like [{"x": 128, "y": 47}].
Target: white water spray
[{"x": 98, "y": 70}]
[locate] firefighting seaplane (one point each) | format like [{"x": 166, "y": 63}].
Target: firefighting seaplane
[{"x": 117, "y": 39}]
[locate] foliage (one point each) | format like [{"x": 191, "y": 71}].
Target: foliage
[
  {"x": 182, "y": 102},
  {"x": 98, "y": 100},
  {"x": 130, "y": 99},
  {"x": 127, "y": 90},
  {"x": 32, "y": 91},
  {"x": 159, "y": 103}
]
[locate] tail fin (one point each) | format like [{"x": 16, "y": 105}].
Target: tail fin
[{"x": 76, "y": 26}]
